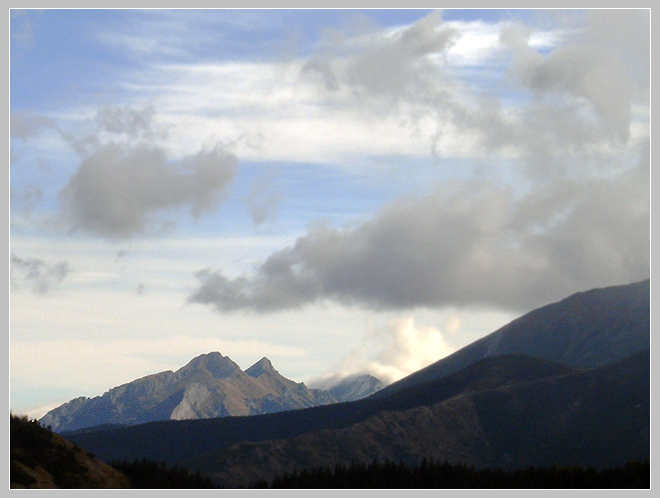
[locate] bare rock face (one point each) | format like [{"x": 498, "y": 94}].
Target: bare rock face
[{"x": 209, "y": 386}]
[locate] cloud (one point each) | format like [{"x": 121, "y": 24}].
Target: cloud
[
  {"x": 27, "y": 198},
  {"x": 22, "y": 33},
  {"x": 113, "y": 125},
  {"x": 573, "y": 96},
  {"x": 465, "y": 244},
  {"x": 263, "y": 200},
  {"x": 120, "y": 190},
  {"x": 391, "y": 352},
  {"x": 592, "y": 68},
  {"x": 575, "y": 216},
  {"x": 127, "y": 183},
  {"x": 26, "y": 124},
  {"x": 41, "y": 276},
  {"x": 393, "y": 65},
  {"x": 125, "y": 120}
]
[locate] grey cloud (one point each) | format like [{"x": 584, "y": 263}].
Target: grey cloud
[
  {"x": 27, "y": 198},
  {"x": 41, "y": 276},
  {"x": 263, "y": 200},
  {"x": 573, "y": 100},
  {"x": 120, "y": 191},
  {"x": 626, "y": 33},
  {"x": 399, "y": 67},
  {"x": 586, "y": 72},
  {"x": 135, "y": 123},
  {"x": 393, "y": 67},
  {"x": 472, "y": 244},
  {"x": 116, "y": 124},
  {"x": 28, "y": 125}
]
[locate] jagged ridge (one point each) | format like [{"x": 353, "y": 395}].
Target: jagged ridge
[{"x": 210, "y": 385}]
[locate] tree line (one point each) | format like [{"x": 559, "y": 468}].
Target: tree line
[{"x": 443, "y": 475}]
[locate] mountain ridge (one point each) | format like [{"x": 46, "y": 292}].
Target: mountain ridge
[
  {"x": 586, "y": 329},
  {"x": 498, "y": 410},
  {"x": 209, "y": 385},
  {"x": 543, "y": 422}
]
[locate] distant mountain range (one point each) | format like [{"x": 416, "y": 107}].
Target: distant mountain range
[
  {"x": 567, "y": 384},
  {"x": 209, "y": 386}
]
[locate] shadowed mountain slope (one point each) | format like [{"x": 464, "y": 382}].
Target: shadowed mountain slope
[
  {"x": 587, "y": 329},
  {"x": 596, "y": 418},
  {"x": 40, "y": 459},
  {"x": 176, "y": 440}
]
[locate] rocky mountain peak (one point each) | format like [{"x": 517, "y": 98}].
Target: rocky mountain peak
[
  {"x": 220, "y": 367},
  {"x": 261, "y": 367},
  {"x": 355, "y": 387}
]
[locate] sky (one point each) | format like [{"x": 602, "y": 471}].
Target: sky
[{"x": 341, "y": 191}]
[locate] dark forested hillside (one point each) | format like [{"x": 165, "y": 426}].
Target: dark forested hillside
[
  {"x": 435, "y": 475},
  {"x": 41, "y": 459}
]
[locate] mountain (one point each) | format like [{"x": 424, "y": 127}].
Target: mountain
[
  {"x": 591, "y": 418},
  {"x": 41, "y": 459},
  {"x": 211, "y": 385},
  {"x": 582, "y": 398},
  {"x": 587, "y": 329},
  {"x": 355, "y": 387}
]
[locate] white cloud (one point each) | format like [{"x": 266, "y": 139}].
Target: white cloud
[{"x": 391, "y": 352}]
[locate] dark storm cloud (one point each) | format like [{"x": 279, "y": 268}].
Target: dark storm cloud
[
  {"x": 40, "y": 275},
  {"x": 463, "y": 245},
  {"x": 119, "y": 191}
]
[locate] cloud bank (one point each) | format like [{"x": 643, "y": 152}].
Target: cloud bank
[
  {"x": 569, "y": 100},
  {"x": 464, "y": 244}
]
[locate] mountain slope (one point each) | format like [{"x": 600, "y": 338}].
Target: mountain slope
[
  {"x": 41, "y": 459},
  {"x": 356, "y": 387},
  {"x": 498, "y": 410},
  {"x": 586, "y": 329},
  {"x": 598, "y": 417},
  {"x": 210, "y": 385}
]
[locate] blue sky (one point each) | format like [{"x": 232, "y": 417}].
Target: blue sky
[{"x": 338, "y": 190}]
